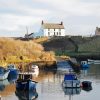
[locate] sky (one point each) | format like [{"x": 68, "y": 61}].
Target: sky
[{"x": 80, "y": 17}]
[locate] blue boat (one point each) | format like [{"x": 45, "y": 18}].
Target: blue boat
[
  {"x": 24, "y": 82},
  {"x": 12, "y": 78},
  {"x": 84, "y": 65},
  {"x": 71, "y": 81},
  {"x": 13, "y": 70}
]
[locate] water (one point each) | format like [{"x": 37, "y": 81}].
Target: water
[{"x": 49, "y": 86}]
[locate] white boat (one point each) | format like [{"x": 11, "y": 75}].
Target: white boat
[
  {"x": 34, "y": 70},
  {"x": 71, "y": 81},
  {"x": 90, "y": 61},
  {"x": 3, "y": 73}
]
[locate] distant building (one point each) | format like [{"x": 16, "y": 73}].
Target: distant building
[
  {"x": 97, "y": 31},
  {"x": 52, "y": 29}
]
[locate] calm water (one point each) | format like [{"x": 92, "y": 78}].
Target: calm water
[{"x": 49, "y": 86}]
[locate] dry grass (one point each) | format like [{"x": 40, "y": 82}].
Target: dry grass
[
  {"x": 40, "y": 40},
  {"x": 18, "y": 51}
]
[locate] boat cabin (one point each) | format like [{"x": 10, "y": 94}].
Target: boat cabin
[
  {"x": 24, "y": 76},
  {"x": 70, "y": 77}
]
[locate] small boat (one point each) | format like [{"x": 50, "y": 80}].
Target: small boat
[
  {"x": 13, "y": 70},
  {"x": 3, "y": 73},
  {"x": 24, "y": 82},
  {"x": 12, "y": 78},
  {"x": 84, "y": 64},
  {"x": 87, "y": 85},
  {"x": 71, "y": 81},
  {"x": 34, "y": 70},
  {"x": 90, "y": 61}
]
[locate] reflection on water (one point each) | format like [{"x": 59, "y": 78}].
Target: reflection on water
[
  {"x": 49, "y": 87},
  {"x": 72, "y": 91},
  {"x": 3, "y": 84}
]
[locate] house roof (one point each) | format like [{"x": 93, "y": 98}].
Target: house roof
[{"x": 53, "y": 26}]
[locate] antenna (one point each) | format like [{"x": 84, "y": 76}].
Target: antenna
[{"x": 27, "y": 30}]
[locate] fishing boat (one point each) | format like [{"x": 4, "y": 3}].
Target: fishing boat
[
  {"x": 34, "y": 70},
  {"x": 13, "y": 70},
  {"x": 24, "y": 82},
  {"x": 90, "y": 61},
  {"x": 71, "y": 81},
  {"x": 87, "y": 85},
  {"x": 84, "y": 64},
  {"x": 3, "y": 73}
]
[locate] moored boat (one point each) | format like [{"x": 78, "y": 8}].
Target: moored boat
[
  {"x": 90, "y": 61},
  {"x": 24, "y": 82},
  {"x": 34, "y": 70},
  {"x": 84, "y": 64},
  {"x": 3, "y": 73},
  {"x": 71, "y": 81},
  {"x": 87, "y": 85},
  {"x": 13, "y": 70}
]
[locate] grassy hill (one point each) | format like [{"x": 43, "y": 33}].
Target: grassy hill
[
  {"x": 91, "y": 46},
  {"x": 74, "y": 46},
  {"x": 23, "y": 51}
]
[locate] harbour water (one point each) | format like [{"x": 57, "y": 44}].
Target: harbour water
[{"x": 49, "y": 86}]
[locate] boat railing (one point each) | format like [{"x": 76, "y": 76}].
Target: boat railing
[{"x": 24, "y": 76}]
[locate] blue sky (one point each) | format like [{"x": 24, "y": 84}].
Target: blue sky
[{"x": 80, "y": 17}]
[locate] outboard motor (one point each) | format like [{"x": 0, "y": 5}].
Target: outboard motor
[{"x": 86, "y": 85}]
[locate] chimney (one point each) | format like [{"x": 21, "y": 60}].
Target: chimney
[
  {"x": 42, "y": 22},
  {"x": 61, "y": 23}
]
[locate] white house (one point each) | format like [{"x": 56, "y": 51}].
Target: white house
[{"x": 52, "y": 29}]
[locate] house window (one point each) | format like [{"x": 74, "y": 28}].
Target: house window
[
  {"x": 48, "y": 33},
  {"x": 54, "y": 29},
  {"x": 59, "y": 33}
]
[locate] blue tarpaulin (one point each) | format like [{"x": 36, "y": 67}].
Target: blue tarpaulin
[{"x": 69, "y": 77}]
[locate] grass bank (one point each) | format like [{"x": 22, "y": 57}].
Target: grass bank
[{"x": 18, "y": 51}]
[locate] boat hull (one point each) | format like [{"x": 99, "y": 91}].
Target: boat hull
[
  {"x": 26, "y": 95},
  {"x": 72, "y": 91},
  {"x": 25, "y": 85}
]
